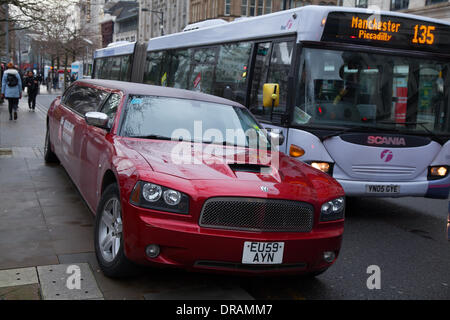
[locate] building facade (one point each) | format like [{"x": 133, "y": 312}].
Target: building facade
[
  {"x": 229, "y": 10},
  {"x": 90, "y": 17},
  {"x": 157, "y": 17},
  {"x": 437, "y": 9},
  {"x": 126, "y": 21}
]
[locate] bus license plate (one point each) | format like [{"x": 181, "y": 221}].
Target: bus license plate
[
  {"x": 382, "y": 188},
  {"x": 263, "y": 252}
]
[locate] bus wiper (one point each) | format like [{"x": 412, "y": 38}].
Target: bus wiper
[
  {"x": 338, "y": 133},
  {"x": 152, "y": 136},
  {"x": 422, "y": 124}
]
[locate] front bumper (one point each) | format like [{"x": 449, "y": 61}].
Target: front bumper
[
  {"x": 429, "y": 189},
  {"x": 184, "y": 244}
]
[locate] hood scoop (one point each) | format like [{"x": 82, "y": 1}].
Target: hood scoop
[{"x": 248, "y": 167}]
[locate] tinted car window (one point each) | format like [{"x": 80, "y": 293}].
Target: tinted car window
[
  {"x": 110, "y": 106},
  {"x": 66, "y": 94},
  {"x": 85, "y": 99}
]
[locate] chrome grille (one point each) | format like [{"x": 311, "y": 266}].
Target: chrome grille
[{"x": 255, "y": 214}]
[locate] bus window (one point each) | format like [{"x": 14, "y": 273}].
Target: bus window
[
  {"x": 271, "y": 67},
  {"x": 203, "y": 65},
  {"x": 376, "y": 90},
  {"x": 153, "y": 68},
  {"x": 231, "y": 71},
  {"x": 115, "y": 68},
  {"x": 124, "y": 72},
  {"x": 98, "y": 68},
  {"x": 280, "y": 63},
  {"x": 181, "y": 64},
  {"x": 261, "y": 65},
  {"x": 106, "y": 69}
]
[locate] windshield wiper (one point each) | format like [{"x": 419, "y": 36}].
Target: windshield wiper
[
  {"x": 222, "y": 143},
  {"x": 356, "y": 128},
  {"x": 152, "y": 136},
  {"x": 422, "y": 124}
]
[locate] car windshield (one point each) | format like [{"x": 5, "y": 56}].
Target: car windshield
[
  {"x": 191, "y": 120},
  {"x": 368, "y": 90}
]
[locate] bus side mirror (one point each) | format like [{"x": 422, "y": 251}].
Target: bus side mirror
[
  {"x": 276, "y": 136},
  {"x": 271, "y": 95}
]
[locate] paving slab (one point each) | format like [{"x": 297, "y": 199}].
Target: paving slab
[
  {"x": 204, "y": 292},
  {"x": 26, "y": 254},
  {"x": 19, "y": 217},
  {"x": 69, "y": 246},
  {"x": 26, "y": 292},
  {"x": 54, "y": 280},
  {"x": 113, "y": 289},
  {"x": 18, "y": 277}
]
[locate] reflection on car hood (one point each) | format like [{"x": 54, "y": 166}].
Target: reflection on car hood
[{"x": 237, "y": 164}]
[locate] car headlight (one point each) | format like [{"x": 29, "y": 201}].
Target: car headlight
[
  {"x": 333, "y": 209},
  {"x": 151, "y": 192},
  {"x": 152, "y": 196}
]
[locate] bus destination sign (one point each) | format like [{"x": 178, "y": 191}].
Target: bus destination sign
[{"x": 384, "y": 30}]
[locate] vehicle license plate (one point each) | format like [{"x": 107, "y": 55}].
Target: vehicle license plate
[
  {"x": 381, "y": 188},
  {"x": 263, "y": 252}
]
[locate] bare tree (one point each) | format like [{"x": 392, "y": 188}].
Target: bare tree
[
  {"x": 22, "y": 14},
  {"x": 60, "y": 37}
]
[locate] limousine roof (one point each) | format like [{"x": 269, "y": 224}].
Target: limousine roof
[{"x": 132, "y": 88}]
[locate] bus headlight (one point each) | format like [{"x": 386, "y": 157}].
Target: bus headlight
[
  {"x": 333, "y": 210},
  {"x": 437, "y": 172},
  {"x": 325, "y": 167}
]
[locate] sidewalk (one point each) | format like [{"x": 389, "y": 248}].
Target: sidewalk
[
  {"x": 46, "y": 230},
  {"x": 41, "y": 214}
]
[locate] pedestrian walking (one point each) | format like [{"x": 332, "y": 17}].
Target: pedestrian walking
[
  {"x": 32, "y": 85},
  {"x": 48, "y": 82},
  {"x": 40, "y": 80},
  {"x": 12, "y": 89},
  {"x": 2, "y": 69},
  {"x": 55, "y": 80}
]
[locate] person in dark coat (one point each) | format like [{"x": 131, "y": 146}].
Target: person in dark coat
[
  {"x": 2, "y": 69},
  {"x": 32, "y": 85},
  {"x": 55, "y": 80}
]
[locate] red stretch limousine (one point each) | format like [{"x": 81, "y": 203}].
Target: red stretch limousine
[{"x": 184, "y": 179}]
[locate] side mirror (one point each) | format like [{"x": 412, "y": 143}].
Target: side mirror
[
  {"x": 271, "y": 95},
  {"x": 275, "y": 136},
  {"x": 97, "y": 119}
]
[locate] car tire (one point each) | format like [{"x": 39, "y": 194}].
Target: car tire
[
  {"x": 49, "y": 155},
  {"x": 108, "y": 237}
]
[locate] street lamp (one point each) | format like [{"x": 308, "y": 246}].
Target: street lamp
[{"x": 160, "y": 15}]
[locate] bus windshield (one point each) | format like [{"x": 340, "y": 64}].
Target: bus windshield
[{"x": 348, "y": 89}]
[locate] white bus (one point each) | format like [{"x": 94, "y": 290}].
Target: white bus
[
  {"x": 115, "y": 62},
  {"x": 363, "y": 95}
]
